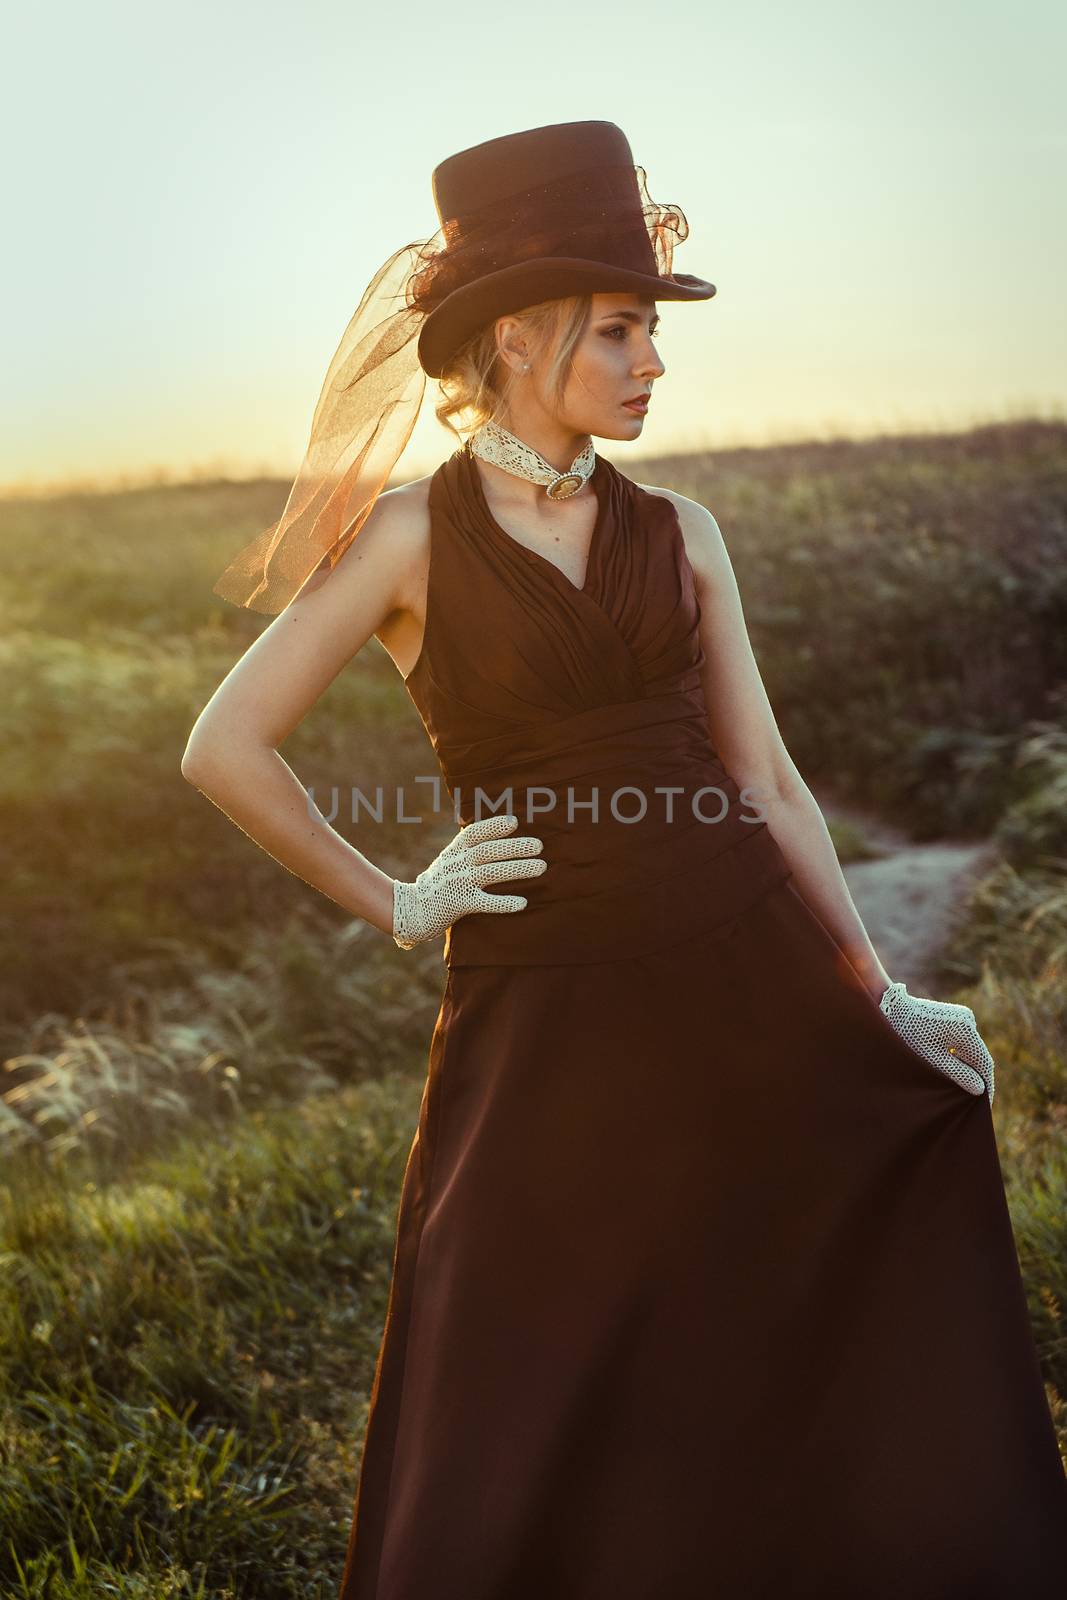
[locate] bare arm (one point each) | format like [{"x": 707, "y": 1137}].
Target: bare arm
[
  {"x": 750, "y": 744},
  {"x": 232, "y": 754}
]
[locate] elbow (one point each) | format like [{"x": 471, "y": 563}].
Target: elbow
[
  {"x": 191, "y": 768},
  {"x": 198, "y": 762},
  {"x": 216, "y": 760}
]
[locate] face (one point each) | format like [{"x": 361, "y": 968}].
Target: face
[{"x": 615, "y": 360}]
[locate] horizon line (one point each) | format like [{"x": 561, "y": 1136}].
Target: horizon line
[{"x": 218, "y": 470}]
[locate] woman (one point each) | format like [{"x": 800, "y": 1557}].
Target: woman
[{"x": 704, "y": 1278}]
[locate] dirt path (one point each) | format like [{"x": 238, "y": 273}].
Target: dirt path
[{"x": 908, "y": 897}]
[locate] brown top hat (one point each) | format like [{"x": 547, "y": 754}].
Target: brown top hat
[{"x": 537, "y": 215}]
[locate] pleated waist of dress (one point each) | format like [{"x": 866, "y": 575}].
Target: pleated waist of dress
[{"x": 647, "y": 837}]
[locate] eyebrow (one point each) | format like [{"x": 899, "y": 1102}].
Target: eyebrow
[{"x": 630, "y": 316}]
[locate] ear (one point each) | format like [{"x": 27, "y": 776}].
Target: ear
[{"x": 511, "y": 344}]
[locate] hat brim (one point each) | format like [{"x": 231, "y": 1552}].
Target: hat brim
[{"x": 526, "y": 283}]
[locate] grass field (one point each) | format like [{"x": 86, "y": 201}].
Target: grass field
[{"x": 213, "y": 1075}]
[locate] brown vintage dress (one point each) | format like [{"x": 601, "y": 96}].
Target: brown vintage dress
[{"x": 705, "y": 1282}]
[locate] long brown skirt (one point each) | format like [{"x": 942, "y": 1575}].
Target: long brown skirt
[{"x": 705, "y": 1285}]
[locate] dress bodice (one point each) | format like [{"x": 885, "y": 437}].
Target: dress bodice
[{"x": 583, "y": 711}]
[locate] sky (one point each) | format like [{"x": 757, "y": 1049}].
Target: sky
[{"x": 200, "y": 194}]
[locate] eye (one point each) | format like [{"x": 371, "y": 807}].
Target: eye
[{"x": 621, "y": 328}]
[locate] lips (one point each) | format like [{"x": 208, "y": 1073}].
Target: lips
[{"x": 638, "y": 403}]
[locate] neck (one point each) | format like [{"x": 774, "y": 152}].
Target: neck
[
  {"x": 556, "y": 442},
  {"x": 523, "y": 473}
]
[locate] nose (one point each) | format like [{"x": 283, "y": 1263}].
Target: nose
[{"x": 652, "y": 366}]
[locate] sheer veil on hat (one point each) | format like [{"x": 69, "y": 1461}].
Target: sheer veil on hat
[{"x": 530, "y": 216}]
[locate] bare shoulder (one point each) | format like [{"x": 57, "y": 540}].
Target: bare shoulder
[
  {"x": 704, "y": 543},
  {"x": 391, "y": 547},
  {"x": 395, "y": 541},
  {"x": 378, "y": 587},
  {"x": 408, "y": 513},
  {"x": 402, "y": 515},
  {"x": 410, "y": 501}
]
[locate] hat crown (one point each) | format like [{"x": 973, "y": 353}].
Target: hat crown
[{"x": 498, "y": 168}]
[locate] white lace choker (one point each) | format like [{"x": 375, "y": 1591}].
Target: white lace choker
[{"x": 495, "y": 444}]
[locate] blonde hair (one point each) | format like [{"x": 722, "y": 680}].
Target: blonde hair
[{"x": 476, "y": 384}]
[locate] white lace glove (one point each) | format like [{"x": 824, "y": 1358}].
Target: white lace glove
[
  {"x": 452, "y": 885},
  {"x": 945, "y": 1033}
]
